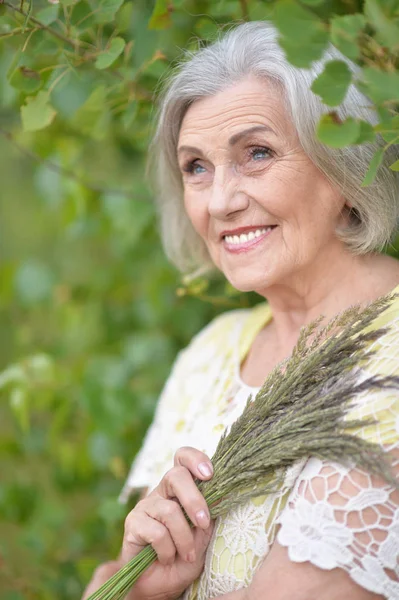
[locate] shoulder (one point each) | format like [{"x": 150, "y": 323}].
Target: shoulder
[
  {"x": 225, "y": 332},
  {"x": 385, "y": 350},
  {"x": 381, "y": 405}
]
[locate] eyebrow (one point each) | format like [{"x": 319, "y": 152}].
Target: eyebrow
[{"x": 232, "y": 141}]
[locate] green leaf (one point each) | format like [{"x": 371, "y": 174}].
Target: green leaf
[
  {"x": 345, "y": 32},
  {"x": 92, "y": 117},
  {"x": 20, "y": 407},
  {"x": 373, "y": 167},
  {"x": 129, "y": 115},
  {"x": 115, "y": 49},
  {"x": 389, "y": 129},
  {"x": 124, "y": 16},
  {"x": 380, "y": 86},
  {"x": 206, "y": 28},
  {"x": 68, "y": 2},
  {"x": 48, "y": 15},
  {"x": 37, "y": 113},
  {"x": 26, "y": 80},
  {"x": 160, "y": 18},
  {"x": 332, "y": 132},
  {"x": 366, "y": 134},
  {"x": 105, "y": 10},
  {"x": 33, "y": 282},
  {"x": 386, "y": 27},
  {"x": 394, "y": 166},
  {"x": 304, "y": 36},
  {"x": 333, "y": 83},
  {"x": 294, "y": 21},
  {"x": 83, "y": 17}
]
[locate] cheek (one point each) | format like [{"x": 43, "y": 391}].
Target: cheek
[{"x": 195, "y": 211}]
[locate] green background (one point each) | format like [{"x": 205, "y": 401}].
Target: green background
[{"x": 91, "y": 313}]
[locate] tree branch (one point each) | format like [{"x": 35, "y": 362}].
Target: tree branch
[
  {"x": 244, "y": 10},
  {"x": 28, "y": 17}
]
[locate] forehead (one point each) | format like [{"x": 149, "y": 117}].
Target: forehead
[{"x": 250, "y": 102}]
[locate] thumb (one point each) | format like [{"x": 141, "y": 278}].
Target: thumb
[{"x": 100, "y": 576}]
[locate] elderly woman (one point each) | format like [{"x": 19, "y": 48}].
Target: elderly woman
[{"x": 245, "y": 186}]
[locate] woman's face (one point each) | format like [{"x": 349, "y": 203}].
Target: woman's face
[{"x": 263, "y": 209}]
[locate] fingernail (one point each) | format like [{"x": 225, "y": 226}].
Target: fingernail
[
  {"x": 191, "y": 556},
  {"x": 202, "y": 518},
  {"x": 205, "y": 469}
]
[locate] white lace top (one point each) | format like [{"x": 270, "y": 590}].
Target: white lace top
[{"x": 325, "y": 513}]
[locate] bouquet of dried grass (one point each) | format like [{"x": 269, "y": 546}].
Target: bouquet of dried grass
[{"x": 299, "y": 412}]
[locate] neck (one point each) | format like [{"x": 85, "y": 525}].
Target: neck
[{"x": 348, "y": 280}]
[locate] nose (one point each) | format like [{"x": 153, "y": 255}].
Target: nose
[{"x": 226, "y": 195}]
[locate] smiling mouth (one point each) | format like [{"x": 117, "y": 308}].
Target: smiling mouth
[{"x": 249, "y": 236}]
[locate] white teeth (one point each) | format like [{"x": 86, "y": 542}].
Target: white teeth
[{"x": 246, "y": 237}]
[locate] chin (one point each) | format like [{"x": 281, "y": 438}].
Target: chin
[{"x": 248, "y": 283}]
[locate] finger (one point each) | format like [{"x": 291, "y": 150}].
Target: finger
[
  {"x": 202, "y": 537},
  {"x": 100, "y": 576},
  {"x": 170, "y": 514},
  {"x": 195, "y": 461},
  {"x": 140, "y": 532},
  {"x": 178, "y": 483}
]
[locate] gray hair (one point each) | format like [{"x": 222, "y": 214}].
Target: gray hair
[{"x": 253, "y": 49}]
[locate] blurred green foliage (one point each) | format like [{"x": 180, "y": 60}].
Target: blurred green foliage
[{"x": 92, "y": 315}]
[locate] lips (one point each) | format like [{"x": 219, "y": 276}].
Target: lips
[{"x": 241, "y": 240}]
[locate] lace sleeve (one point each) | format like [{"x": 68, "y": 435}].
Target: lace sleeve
[
  {"x": 155, "y": 455},
  {"x": 339, "y": 516}
]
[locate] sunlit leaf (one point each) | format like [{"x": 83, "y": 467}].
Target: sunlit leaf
[
  {"x": 332, "y": 132},
  {"x": 37, "y": 113},
  {"x": 373, "y": 167},
  {"x": 394, "y": 166},
  {"x": 333, "y": 83},
  {"x": 109, "y": 56}
]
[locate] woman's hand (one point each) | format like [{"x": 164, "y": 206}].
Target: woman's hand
[{"x": 158, "y": 520}]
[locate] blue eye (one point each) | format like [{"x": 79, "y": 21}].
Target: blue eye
[
  {"x": 197, "y": 169},
  {"x": 260, "y": 153},
  {"x": 193, "y": 168}
]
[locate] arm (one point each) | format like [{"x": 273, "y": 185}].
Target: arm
[
  {"x": 279, "y": 578},
  {"x": 339, "y": 539}
]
